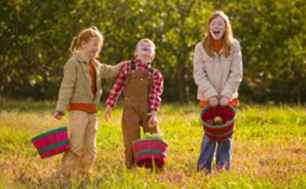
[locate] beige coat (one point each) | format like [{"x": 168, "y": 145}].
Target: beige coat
[
  {"x": 218, "y": 75},
  {"x": 76, "y": 83}
]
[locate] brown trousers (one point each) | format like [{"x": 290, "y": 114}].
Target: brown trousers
[
  {"x": 135, "y": 111},
  {"x": 82, "y": 154}
]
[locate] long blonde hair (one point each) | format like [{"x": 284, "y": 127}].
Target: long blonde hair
[
  {"x": 227, "y": 38},
  {"x": 84, "y": 36}
]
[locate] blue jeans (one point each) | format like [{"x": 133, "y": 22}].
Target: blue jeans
[{"x": 223, "y": 154}]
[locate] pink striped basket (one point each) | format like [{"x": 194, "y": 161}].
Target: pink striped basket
[
  {"x": 150, "y": 152},
  {"x": 51, "y": 142}
]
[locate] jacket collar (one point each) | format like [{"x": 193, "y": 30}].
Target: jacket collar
[{"x": 80, "y": 59}]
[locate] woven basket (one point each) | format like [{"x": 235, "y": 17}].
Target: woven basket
[
  {"x": 150, "y": 153},
  {"x": 51, "y": 142},
  {"x": 222, "y": 130}
]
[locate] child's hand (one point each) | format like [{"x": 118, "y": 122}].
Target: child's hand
[
  {"x": 108, "y": 113},
  {"x": 58, "y": 115},
  {"x": 224, "y": 101},
  {"x": 152, "y": 120},
  {"x": 213, "y": 101}
]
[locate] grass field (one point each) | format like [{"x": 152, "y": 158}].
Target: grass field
[{"x": 269, "y": 149}]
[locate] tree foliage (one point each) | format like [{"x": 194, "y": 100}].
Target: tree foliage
[{"x": 35, "y": 36}]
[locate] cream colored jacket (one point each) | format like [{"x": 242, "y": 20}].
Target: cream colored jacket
[
  {"x": 76, "y": 83},
  {"x": 218, "y": 75}
]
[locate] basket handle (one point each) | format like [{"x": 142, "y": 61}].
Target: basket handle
[{"x": 226, "y": 124}]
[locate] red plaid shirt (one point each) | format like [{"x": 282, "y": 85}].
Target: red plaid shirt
[{"x": 155, "y": 91}]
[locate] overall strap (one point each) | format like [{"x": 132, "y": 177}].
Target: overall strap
[
  {"x": 133, "y": 65},
  {"x": 151, "y": 70}
]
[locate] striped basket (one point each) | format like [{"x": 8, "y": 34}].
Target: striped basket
[
  {"x": 150, "y": 153},
  {"x": 52, "y": 142},
  {"x": 219, "y": 131}
]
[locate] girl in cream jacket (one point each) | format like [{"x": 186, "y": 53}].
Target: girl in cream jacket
[{"x": 217, "y": 71}]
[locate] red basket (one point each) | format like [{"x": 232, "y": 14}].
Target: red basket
[
  {"x": 150, "y": 152},
  {"x": 221, "y": 131},
  {"x": 52, "y": 142}
]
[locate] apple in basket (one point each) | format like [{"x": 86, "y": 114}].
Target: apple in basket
[{"x": 218, "y": 120}]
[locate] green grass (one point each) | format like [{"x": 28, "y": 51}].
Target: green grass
[{"x": 269, "y": 149}]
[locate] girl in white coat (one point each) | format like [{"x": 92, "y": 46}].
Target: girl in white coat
[{"x": 217, "y": 71}]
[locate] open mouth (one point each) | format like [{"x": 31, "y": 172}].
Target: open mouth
[{"x": 216, "y": 33}]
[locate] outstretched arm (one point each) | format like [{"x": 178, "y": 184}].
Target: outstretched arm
[{"x": 108, "y": 71}]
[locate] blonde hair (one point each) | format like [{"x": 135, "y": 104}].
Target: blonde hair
[
  {"x": 84, "y": 36},
  {"x": 145, "y": 40},
  {"x": 227, "y": 38}
]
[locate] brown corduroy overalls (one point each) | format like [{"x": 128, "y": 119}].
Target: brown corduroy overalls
[{"x": 135, "y": 110}]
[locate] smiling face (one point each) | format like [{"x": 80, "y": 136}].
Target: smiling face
[
  {"x": 92, "y": 47},
  {"x": 145, "y": 52},
  {"x": 217, "y": 28}
]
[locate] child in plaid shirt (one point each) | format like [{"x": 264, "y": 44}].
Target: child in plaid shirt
[{"x": 143, "y": 87}]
